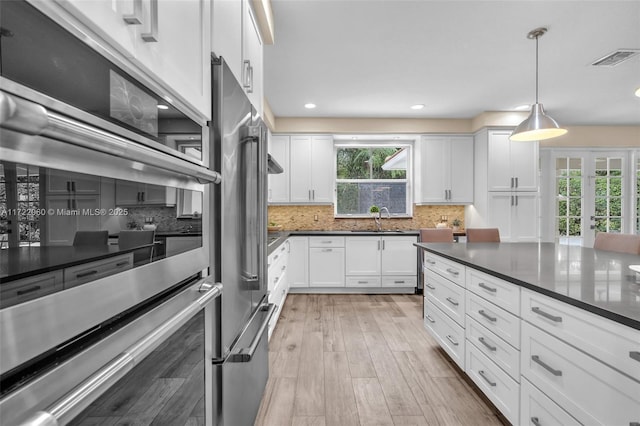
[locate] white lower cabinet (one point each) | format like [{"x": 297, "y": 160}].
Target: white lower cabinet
[
  {"x": 499, "y": 321},
  {"x": 278, "y": 280},
  {"x": 298, "y": 261},
  {"x": 446, "y": 295},
  {"x": 589, "y": 390},
  {"x": 18, "y": 291},
  {"x": 447, "y": 332},
  {"x": 85, "y": 272},
  {"x": 496, "y": 349},
  {"x": 326, "y": 262},
  {"x": 501, "y": 389},
  {"x": 538, "y": 410}
]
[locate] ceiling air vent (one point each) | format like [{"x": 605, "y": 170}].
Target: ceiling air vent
[{"x": 615, "y": 58}]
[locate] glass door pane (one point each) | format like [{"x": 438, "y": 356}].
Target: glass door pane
[{"x": 569, "y": 197}]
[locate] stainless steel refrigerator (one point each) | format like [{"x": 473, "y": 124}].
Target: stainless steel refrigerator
[{"x": 239, "y": 150}]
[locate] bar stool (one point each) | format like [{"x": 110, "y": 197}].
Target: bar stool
[
  {"x": 620, "y": 243},
  {"x": 483, "y": 235}
]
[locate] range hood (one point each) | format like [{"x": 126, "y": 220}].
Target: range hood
[{"x": 273, "y": 168}]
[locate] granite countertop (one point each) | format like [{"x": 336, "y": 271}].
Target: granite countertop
[
  {"x": 595, "y": 280},
  {"x": 22, "y": 262},
  {"x": 275, "y": 239}
]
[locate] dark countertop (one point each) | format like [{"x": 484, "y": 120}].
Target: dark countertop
[
  {"x": 22, "y": 262},
  {"x": 595, "y": 280},
  {"x": 169, "y": 234},
  {"x": 274, "y": 239}
]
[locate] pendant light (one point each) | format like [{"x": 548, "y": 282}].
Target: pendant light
[{"x": 538, "y": 126}]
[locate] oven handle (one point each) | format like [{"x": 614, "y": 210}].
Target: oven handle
[
  {"x": 246, "y": 354},
  {"x": 33, "y": 119},
  {"x": 72, "y": 404}
]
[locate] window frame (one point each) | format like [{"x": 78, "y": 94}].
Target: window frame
[{"x": 407, "y": 144}]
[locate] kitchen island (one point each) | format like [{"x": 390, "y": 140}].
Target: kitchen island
[{"x": 550, "y": 333}]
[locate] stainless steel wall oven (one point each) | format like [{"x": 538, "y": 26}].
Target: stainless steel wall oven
[{"x": 105, "y": 220}]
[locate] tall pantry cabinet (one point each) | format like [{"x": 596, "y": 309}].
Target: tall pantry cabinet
[{"x": 506, "y": 186}]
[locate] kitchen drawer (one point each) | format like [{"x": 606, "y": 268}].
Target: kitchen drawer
[
  {"x": 30, "y": 288},
  {"x": 400, "y": 281},
  {"x": 497, "y": 350},
  {"x": 448, "y": 269},
  {"x": 326, "y": 241},
  {"x": 276, "y": 273},
  {"x": 446, "y": 295},
  {"x": 587, "y": 389},
  {"x": 92, "y": 271},
  {"x": 277, "y": 254},
  {"x": 502, "y": 323},
  {"x": 501, "y": 389},
  {"x": 537, "y": 409},
  {"x": 502, "y": 293},
  {"x": 614, "y": 344},
  {"x": 365, "y": 281},
  {"x": 446, "y": 331}
]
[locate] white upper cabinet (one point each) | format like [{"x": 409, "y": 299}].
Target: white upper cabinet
[
  {"x": 226, "y": 33},
  {"x": 512, "y": 166},
  {"x": 168, "y": 40},
  {"x": 445, "y": 170},
  {"x": 236, "y": 38},
  {"x": 251, "y": 57},
  {"x": 278, "y": 191},
  {"x": 311, "y": 165}
]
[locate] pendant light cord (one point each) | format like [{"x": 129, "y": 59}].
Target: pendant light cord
[{"x": 537, "y": 36}]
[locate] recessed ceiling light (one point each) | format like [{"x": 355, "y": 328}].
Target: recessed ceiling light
[
  {"x": 309, "y": 106},
  {"x": 523, "y": 107},
  {"x": 354, "y": 137},
  {"x": 638, "y": 92},
  {"x": 417, "y": 106},
  {"x": 160, "y": 106}
]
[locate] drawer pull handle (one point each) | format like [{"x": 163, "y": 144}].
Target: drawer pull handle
[
  {"x": 28, "y": 290},
  {"x": 547, "y": 315},
  {"x": 430, "y": 319},
  {"x": 398, "y": 282},
  {"x": 327, "y": 250},
  {"x": 121, "y": 264},
  {"x": 486, "y": 287},
  {"x": 484, "y": 342},
  {"x": 430, "y": 286},
  {"x": 634, "y": 423},
  {"x": 635, "y": 355},
  {"x": 431, "y": 262},
  {"x": 326, "y": 242},
  {"x": 546, "y": 366},
  {"x": 275, "y": 257},
  {"x": 535, "y": 421},
  {"x": 486, "y": 379},
  {"x": 86, "y": 274},
  {"x": 363, "y": 282},
  {"x": 453, "y": 272},
  {"x": 452, "y": 340},
  {"x": 452, "y": 301},
  {"x": 283, "y": 268},
  {"x": 487, "y": 316}
]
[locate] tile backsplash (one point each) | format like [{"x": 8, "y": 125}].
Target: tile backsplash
[
  {"x": 164, "y": 218},
  {"x": 297, "y": 217}
]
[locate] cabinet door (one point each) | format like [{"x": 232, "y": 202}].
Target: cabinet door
[
  {"x": 108, "y": 20},
  {"x": 127, "y": 193},
  {"x": 399, "y": 256},
  {"x": 434, "y": 168},
  {"x": 524, "y": 165},
  {"x": 86, "y": 221},
  {"x": 61, "y": 228},
  {"x": 251, "y": 56},
  {"x": 499, "y": 161},
  {"x": 524, "y": 217},
  {"x": 226, "y": 34},
  {"x": 279, "y": 184},
  {"x": 154, "y": 194},
  {"x": 461, "y": 160},
  {"x": 298, "y": 269},
  {"x": 180, "y": 56},
  {"x": 326, "y": 267},
  {"x": 300, "y": 177},
  {"x": 362, "y": 255},
  {"x": 322, "y": 169},
  {"x": 499, "y": 213},
  {"x": 63, "y": 182}
]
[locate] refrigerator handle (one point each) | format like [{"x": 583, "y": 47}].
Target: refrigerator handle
[{"x": 246, "y": 354}]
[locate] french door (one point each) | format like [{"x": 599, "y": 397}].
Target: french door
[{"x": 591, "y": 193}]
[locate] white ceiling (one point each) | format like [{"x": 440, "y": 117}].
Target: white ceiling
[{"x": 376, "y": 58}]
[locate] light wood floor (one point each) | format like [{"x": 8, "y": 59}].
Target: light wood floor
[{"x": 342, "y": 360}]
